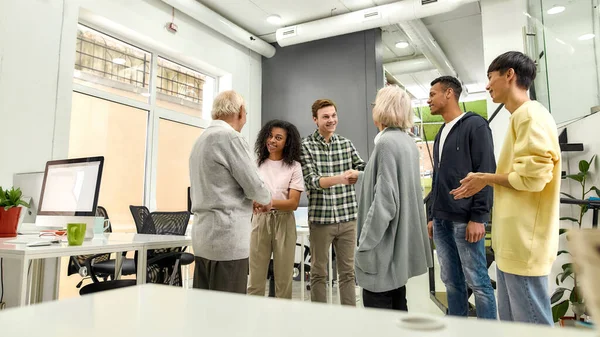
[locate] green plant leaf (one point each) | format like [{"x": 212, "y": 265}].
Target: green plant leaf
[
  {"x": 584, "y": 166},
  {"x": 562, "y": 252},
  {"x": 558, "y": 294},
  {"x": 577, "y": 177},
  {"x": 562, "y": 231},
  {"x": 11, "y": 198},
  {"x": 574, "y": 297},
  {"x": 565, "y": 275},
  {"x": 569, "y": 218},
  {"x": 584, "y": 208},
  {"x": 560, "y": 310},
  {"x": 557, "y": 278},
  {"x": 597, "y": 190},
  {"x": 567, "y": 271},
  {"x": 567, "y": 195},
  {"x": 23, "y": 203}
]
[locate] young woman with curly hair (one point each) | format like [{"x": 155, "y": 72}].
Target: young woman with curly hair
[{"x": 278, "y": 148}]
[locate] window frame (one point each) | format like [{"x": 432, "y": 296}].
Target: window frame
[{"x": 155, "y": 113}]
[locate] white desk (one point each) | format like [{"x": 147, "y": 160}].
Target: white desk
[
  {"x": 157, "y": 311},
  {"x": 108, "y": 243},
  {"x": 150, "y": 241},
  {"x": 25, "y": 254}
]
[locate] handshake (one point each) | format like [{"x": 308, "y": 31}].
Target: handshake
[
  {"x": 349, "y": 177},
  {"x": 259, "y": 208}
]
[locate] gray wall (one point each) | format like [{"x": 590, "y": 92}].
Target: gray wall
[{"x": 347, "y": 69}]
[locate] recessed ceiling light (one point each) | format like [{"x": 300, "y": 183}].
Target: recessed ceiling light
[
  {"x": 586, "y": 37},
  {"x": 274, "y": 19},
  {"x": 402, "y": 44},
  {"x": 556, "y": 10},
  {"x": 119, "y": 60}
]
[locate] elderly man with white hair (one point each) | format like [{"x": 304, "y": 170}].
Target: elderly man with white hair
[
  {"x": 224, "y": 183},
  {"x": 393, "y": 244}
]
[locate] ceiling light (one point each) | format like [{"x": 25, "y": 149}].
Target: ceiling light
[
  {"x": 586, "y": 37},
  {"x": 119, "y": 60},
  {"x": 274, "y": 19},
  {"x": 402, "y": 44},
  {"x": 556, "y": 10},
  {"x": 145, "y": 94}
]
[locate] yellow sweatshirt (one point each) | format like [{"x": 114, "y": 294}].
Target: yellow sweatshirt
[{"x": 525, "y": 219}]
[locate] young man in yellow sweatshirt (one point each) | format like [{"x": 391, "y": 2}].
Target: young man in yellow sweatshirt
[{"x": 526, "y": 194}]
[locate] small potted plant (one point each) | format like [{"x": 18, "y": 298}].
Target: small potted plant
[{"x": 10, "y": 212}]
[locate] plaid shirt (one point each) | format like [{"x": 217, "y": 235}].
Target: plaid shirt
[{"x": 337, "y": 203}]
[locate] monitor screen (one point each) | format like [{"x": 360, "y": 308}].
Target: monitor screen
[{"x": 71, "y": 187}]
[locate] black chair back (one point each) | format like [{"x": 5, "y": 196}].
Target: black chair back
[{"x": 140, "y": 214}]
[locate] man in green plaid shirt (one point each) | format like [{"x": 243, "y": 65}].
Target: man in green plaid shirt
[{"x": 330, "y": 165}]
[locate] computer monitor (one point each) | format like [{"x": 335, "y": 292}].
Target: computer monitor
[
  {"x": 30, "y": 184},
  {"x": 70, "y": 192}
]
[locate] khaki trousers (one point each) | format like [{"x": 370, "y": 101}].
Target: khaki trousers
[
  {"x": 272, "y": 233},
  {"x": 343, "y": 238}
]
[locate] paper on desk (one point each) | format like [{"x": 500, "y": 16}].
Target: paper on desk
[{"x": 20, "y": 240}]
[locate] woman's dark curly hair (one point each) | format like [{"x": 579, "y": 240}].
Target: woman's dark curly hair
[{"x": 293, "y": 142}]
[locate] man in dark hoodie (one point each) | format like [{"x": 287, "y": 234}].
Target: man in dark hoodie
[{"x": 464, "y": 144}]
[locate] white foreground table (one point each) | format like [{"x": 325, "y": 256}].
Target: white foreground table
[{"x": 157, "y": 311}]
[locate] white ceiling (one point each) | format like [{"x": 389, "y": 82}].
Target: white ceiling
[{"x": 458, "y": 33}]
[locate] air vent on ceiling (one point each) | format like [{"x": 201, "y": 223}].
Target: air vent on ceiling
[
  {"x": 289, "y": 32},
  {"x": 371, "y": 14},
  {"x": 426, "y": 2}
]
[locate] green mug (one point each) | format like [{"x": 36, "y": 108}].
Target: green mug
[{"x": 75, "y": 233}]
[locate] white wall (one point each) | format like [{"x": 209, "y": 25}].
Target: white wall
[
  {"x": 28, "y": 82},
  {"x": 502, "y": 22},
  {"x": 37, "y": 52}
]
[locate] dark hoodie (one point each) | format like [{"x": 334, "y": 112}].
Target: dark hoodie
[{"x": 468, "y": 148}]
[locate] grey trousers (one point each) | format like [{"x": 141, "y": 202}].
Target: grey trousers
[{"x": 228, "y": 276}]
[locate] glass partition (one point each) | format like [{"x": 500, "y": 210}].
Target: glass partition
[{"x": 563, "y": 37}]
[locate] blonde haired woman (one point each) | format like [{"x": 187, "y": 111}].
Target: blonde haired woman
[{"x": 393, "y": 244}]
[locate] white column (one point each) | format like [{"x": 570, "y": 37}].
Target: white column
[{"x": 503, "y": 22}]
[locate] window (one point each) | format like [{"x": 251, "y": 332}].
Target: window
[
  {"x": 430, "y": 126},
  {"x": 108, "y": 64},
  {"x": 183, "y": 89},
  {"x": 117, "y": 132},
  {"x": 175, "y": 142},
  {"x": 146, "y": 140}
]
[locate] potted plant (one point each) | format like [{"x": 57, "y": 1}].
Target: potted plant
[
  {"x": 575, "y": 300},
  {"x": 10, "y": 212}
]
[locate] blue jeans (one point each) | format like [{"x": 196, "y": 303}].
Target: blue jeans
[
  {"x": 460, "y": 260},
  {"x": 523, "y": 298}
]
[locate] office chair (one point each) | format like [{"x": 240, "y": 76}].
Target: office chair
[
  {"x": 103, "y": 286},
  {"x": 98, "y": 266},
  {"x": 164, "y": 265},
  {"x": 140, "y": 214}
]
